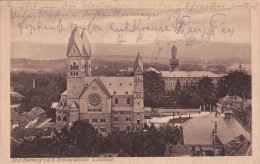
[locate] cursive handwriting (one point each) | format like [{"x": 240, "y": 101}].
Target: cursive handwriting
[{"x": 40, "y": 26}]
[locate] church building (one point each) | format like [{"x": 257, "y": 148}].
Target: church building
[{"x": 108, "y": 103}]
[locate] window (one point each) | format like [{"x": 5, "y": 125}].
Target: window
[
  {"x": 90, "y": 110},
  {"x": 120, "y": 84},
  {"x": 115, "y": 118},
  {"x": 138, "y": 122},
  {"x": 59, "y": 119},
  {"x": 103, "y": 120},
  {"x": 138, "y": 114},
  {"x": 116, "y": 101},
  {"x": 138, "y": 103},
  {"x": 114, "y": 92},
  {"x": 126, "y": 92},
  {"x": 94, "y": 99},
  {"x": 94, "y": 120},
  {"x": 130, "y": 84},
  {"x": 102, "y": 130},
  {"x": 64, "y": 119},
  {"x": 128, "y": 119},
  {"x": 122, "y": 113},
  {"x": 128, "y": 100},
  {"x": 115, "y": 113},
  {"x": 115, "y": 128},
  {"x": 128, "y": 113}
]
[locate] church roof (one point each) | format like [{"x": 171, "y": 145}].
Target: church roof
[
  {"x": 64, "y": 93},
  {"x": 102, "y": 86},
  {"x": 198, "y": 130},
  {"x": 112, "y": 85},
  {"x": 119, "y": 85},
  {"x": 138, "y": 62},
  {"x": 81, "y": 42},
  {"x": 74, "y": 105},
  {"x": 188, "y": 74}
]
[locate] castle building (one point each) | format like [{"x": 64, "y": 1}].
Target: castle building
[
  {"x": 108, "y": 103},
  {"x": 186, "y": 78}
]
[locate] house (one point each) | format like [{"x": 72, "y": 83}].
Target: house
[
  {"x": 40, "y": 113},
  {"x": 234, "y": 101},
  {"x": 213, "y": 135},
  {"x": 30, "y": 118}
]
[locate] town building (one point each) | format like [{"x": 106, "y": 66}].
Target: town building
[
  {"x": 28, "y": 119},
  {"x": 108, "y": 103},
  {"x": 216, "y": 136},
  {"x": 186, "y": 78}
]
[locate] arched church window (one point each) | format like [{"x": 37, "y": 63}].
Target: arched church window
[
  {"x": 59, "y": 119},
  {"x": 71, "y": 67},
  {"x": 128, "y": 100},
  {"x": 116, "y": 101},
  {"x": 64, "y": 119}
]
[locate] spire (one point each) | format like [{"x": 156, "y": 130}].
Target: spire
[
  {"x": 75, "y": 39},
  {"x": 138, "y": 62},
  {"x": 86, "y": 44}
]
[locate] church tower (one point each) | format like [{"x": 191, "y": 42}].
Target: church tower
[
  {"x": 78, "y": 67},
  {"x": 138, "y": 93},
  {"x": 78, "y": 64}
]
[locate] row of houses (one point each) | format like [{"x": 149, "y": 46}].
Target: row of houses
[{"x": 28, "y": 119}]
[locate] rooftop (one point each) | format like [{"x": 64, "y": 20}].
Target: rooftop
[
  {"x": 38, "y": 111},
  {"x": 198, "y": 130},
  {"x": 188, "y": 74}
]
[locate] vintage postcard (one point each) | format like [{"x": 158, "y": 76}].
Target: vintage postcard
[{"x": 126, "y": 81}]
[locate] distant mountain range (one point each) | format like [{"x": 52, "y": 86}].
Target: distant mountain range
[{"x": 150, "y": 52}]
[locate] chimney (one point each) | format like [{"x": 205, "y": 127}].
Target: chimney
[{"x": 33, "y": 83}]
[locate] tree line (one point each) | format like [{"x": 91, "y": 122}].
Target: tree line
[{"x": 84, "y": 140}]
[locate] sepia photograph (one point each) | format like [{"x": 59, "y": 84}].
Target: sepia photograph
[{"x": 130, "y": 82}]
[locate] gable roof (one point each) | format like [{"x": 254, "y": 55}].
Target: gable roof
[
  {"x": 199, "y": 74},
  {"x": 38, "y": 111},
  {"x": 198, "y": 130},
  {"x": 100, "y": 84}
]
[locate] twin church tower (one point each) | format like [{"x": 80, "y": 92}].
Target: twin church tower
[{"x": 108, "y": 103}]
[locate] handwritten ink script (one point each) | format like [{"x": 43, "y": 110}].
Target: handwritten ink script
[{"x": 133, "y": 25}]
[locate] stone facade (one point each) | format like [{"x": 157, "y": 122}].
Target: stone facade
[{"x": 108, "y": 103}]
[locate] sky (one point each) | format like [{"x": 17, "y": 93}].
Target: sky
[{"x": 109, "y": 26}]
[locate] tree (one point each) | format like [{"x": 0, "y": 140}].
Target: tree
[
  {"x": 154, "y": 88},
  {"x": 235, "y": 83},
  {"x": 206, "y": 90}
]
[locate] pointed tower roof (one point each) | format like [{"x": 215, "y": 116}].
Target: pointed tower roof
[
  {"x": 81, "y": 41},
  {"x": 86, "y": 44},
  {"x": 138, "y": 62}
]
